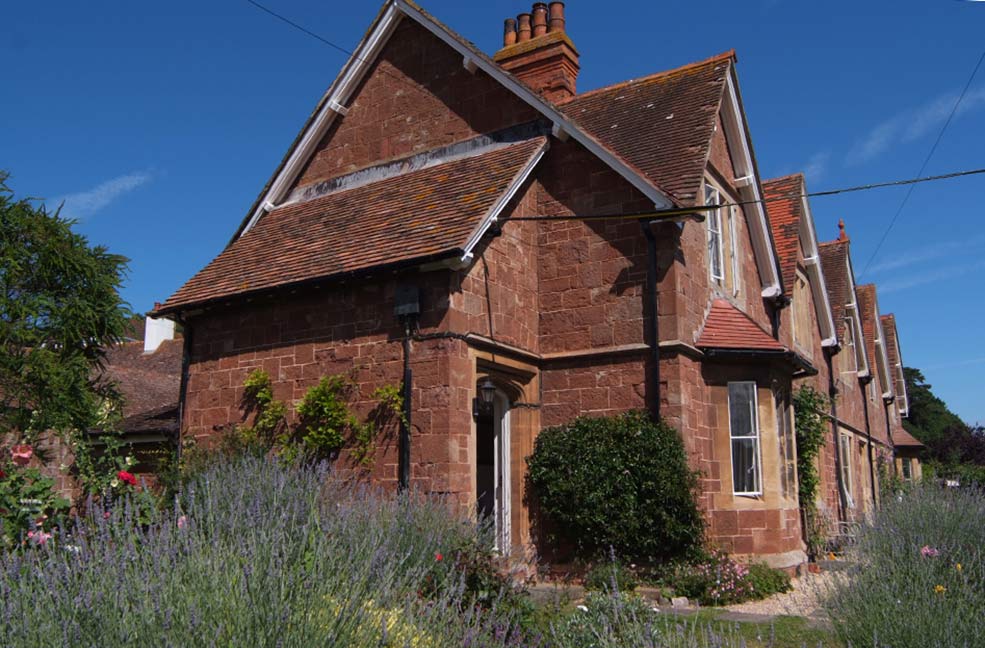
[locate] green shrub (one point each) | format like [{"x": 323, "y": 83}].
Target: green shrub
[
  {"x": 920, "y": 577},
  {"x": 622, "y": 483},
  {"x": 611, "y": 576},
  {"x": 767, "y": 581}
]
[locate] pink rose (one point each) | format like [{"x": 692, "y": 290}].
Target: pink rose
[
  {"x": 182, "y": 521},
  {"x": 21, "y": 454},
  {"x": 38, "y": 537},
  {"x": 929, "y": 552}
]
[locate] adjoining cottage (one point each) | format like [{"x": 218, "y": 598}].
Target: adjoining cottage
[{"x": 515, "y": 254}]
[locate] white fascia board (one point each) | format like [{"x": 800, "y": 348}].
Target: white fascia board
[
  {"x": 822, "y": 303},
  {"x": 501, "y": 203},
  {"x": 333, "y": 104},
  {"x": 660, "y": 200},
  {"x": 735, "y": 133}
]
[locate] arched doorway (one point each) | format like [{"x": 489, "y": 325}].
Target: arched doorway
[{"x": 492, "y": 468}]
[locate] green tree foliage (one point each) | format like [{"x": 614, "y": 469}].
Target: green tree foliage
[
  {"x": 621, "y": 482},
  {"x": 60, "y": 308},
  {"x": 954, "y": 448}
]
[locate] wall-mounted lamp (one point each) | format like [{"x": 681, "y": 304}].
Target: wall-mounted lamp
[{"x": 484, "y": 402}]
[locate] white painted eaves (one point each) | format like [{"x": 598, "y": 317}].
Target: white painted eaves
[
  {"x": 750, "y": 191},
  {"x": 492, "y": 216},
  {"x": 822, "y": 302}
]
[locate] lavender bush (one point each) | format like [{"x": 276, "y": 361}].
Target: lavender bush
[
  {"x": 920, "y": 573},
  {"x": 257, "y": 554}
]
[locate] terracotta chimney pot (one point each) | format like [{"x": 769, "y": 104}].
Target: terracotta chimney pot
[
  {"x": 523, "y": 28},
  {"x": 509, "y": 32},
  {"x": 540, "y": 19},
  {"x": 557, "y": 17}
]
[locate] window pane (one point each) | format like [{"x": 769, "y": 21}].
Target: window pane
[
  {"x": 742, "y": 402},
  {"x": 745, "y": 466}
]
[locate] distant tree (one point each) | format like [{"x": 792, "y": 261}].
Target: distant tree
[
  {"x": 950, "y": 441},
  {"x": 60, "y": 308}
]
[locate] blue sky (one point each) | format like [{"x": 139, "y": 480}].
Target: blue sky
[{"x": 159, "y": 123}]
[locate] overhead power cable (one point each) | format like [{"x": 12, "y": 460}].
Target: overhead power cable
[
  {"x": 322, "y": 39},
  {"x": 923, "y": 166},
  {"x": 682, "y": 211}
]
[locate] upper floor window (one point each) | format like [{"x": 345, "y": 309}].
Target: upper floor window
[
  {"x": 744, "y": 437},
  {"x": 788, "y": 453},
  {"x": 802, "y": 321},
  {"x": 733, "y": 237},
  {"x": 851, "y": 363},
  {"x": 845, "y": 456},
  {"x": 716, "y": 263}
]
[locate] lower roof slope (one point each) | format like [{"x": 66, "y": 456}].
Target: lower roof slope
[{"x": 424, "y": 214}]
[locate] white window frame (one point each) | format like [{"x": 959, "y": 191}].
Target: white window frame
[
  {"x": 713, "y": 197},
  {"x": 906, "y": 467},
  {"x": 756, "y": 437},
  {"x": 733, "y": 248},
  {"x": 845, "y": 447},
  {"x": 850, "y": 343}
]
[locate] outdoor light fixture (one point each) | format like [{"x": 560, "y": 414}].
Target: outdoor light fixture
[
  {"x": 483, "y": 403},
  {"x": 488, "y": 391}
]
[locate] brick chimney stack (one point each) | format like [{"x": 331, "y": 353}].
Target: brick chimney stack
[{"x": 537, "y": 50}]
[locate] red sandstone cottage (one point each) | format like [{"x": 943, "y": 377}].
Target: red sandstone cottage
[{"x": 478, "y": 223}]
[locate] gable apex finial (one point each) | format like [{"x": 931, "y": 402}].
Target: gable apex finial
[{"x": 842, "y": 235}]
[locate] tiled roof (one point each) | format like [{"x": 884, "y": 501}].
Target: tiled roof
[
  {"x": 785, "y": 211},
  {"x": 150, "y": 383},
  {"x": 661, "y": 124},
  {"x": 413, "y": 216},
  {"x": 867, "y": 311},
  {"x": 834, "y": 263},
  {"x": 903, "y": 439},
  {"x": 726, "y": 327}
]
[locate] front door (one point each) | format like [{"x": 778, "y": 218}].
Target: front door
[{"x": 492, "y": 477}]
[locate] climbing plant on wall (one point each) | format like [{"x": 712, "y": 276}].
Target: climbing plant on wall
[
  {"x": 326, "y": 421},
  {"x": 809, "y": 408}
]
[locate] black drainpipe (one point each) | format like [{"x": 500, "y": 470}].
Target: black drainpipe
[
  {"x": 868, "y": 433},
  {"x": 833, "y": 397},
  {"x": 889, "y": 435},
  {"x": 652, "y": 302},
  {"x": 186, "y": 359},
  {"x": 404, "y": 459}
]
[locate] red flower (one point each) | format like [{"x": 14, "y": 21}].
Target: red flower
[
  {"x": 438, "y": 557},
  {"x": 2, "y": 474},
  {"x": 124, "y": 476}
]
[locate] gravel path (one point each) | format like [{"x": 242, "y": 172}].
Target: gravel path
[{"x": 803, "y": 600}]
